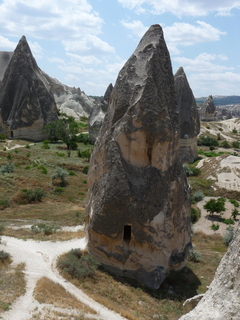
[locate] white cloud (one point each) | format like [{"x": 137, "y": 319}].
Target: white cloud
[
  {"x": 84, "y": 59},
  {"x": 182, "y": 7},
  {"x": 6, "y": 44},
  {"x": 136, "y": 27},
  {"x": 214, "y": 83},
  {"x": 36, "y": 49},
  {"x": 186, "y": 34},
  {"x": 87, "y": 45},
  {"x": 202, "y": 63}
]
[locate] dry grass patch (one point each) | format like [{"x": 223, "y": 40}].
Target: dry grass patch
[
  {"x": 12, "y": 284},
  {"x": 50, "y": 292},
  {"x": 49, "y": 314}
]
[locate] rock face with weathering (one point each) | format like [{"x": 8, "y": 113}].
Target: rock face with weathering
[
  {"x": 5, "y": 57},
  {"x": 208, "y": 110},
  {"x": 26, "y": 105},
  {"x": 138, "y": 213},
  {"x": 221, "y": 301},
  {"x": 97, "y": 115},
  {"x": 188, "y": 117}
]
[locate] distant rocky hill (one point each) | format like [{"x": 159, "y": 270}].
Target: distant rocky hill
[{"x": 221, "y": 100}]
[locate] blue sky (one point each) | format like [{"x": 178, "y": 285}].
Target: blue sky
[{"x": 85, "y": 43}]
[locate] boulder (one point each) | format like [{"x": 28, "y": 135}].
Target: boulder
[
  {"x": 191, "y": 303},
  {"x": 26, "y": 105},
  {"x": 208, "y": 110},
  {"x": 188, "y": 117},
  {"x": 138, "y": 211},
  {"x": 97, "y": 115},
  {"x": 221, "y": 301}
]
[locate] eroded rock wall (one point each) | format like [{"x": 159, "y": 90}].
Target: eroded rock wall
[
  {"x": 138, "y": 213},
  {"x": 221, "y": 301}
]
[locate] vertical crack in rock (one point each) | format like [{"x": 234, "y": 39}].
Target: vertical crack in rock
[{"x": 138, "y": 213}]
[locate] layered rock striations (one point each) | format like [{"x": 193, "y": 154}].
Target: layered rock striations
[
  {"x": 26, "y": 105},
  {"x": 138, "y": 213},
  {"x": 188, "y": 117},
  {"x": 97, "y": 115},
  {"x": 208, "y": 110},
  {"x": 221, "y": 301}
]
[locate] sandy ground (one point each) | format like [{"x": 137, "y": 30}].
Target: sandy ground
[
  {"x": 205, "y": 221},
  {"x": 40, "y": 259}
]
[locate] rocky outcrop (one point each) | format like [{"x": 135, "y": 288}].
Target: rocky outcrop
[
  {"x": 26, "y": 105},
  {"x": 5, "y": 58},
  {"x": 208, "y": 110},
  {"x": 221, "y": 301},
  {"x": 188, "y": 117},
  {"x": 138, "y": 213},
  {"x": 97, "y": 115},
  {"x": 70, "y": 100}
]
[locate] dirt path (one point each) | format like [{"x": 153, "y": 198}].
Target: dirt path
[{"x": 40, "y": 259}]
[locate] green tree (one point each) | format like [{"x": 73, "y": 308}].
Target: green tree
[
  {"x": 215, "y": 205},
  {"x": 63, "y": 129}
]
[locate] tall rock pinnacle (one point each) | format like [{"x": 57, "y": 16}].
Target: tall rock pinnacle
[
  {"x": 188, "y": 117},
  {"x": 138, "y": 214},
  {"x": 26, "y": 104}
]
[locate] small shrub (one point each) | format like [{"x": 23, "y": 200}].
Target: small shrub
[
  {"x": 45, "y": 146},
  {"x": 3, "y": 137},
  {"x": 228, "y": 235},
  {"x": 227, "y": 221},
  {"x": 83, "y": 137},
  {"x": 78, "y": 264},
  {"x": 225, "y": 144},
  {"x": 7, "y": 168},
  {"x": 71, "y": 173},
  {"x": 85, "y": 169},
  {"x": 234, "y": 202},
  {"x": 195, "y": 215},
  {"x": 187, "y": 169},
  {"x": 79, "y": 154},
  {"x": 26, "y": 196},
  {"x": 60, "y": 177},
  {"x": 46, "y": 141},
  {"x": 60, "y": 154},
  {"x": 197, "y": 196},
  {"x": 4, "y": 203},
  {"x": 86, "y": 154},
  {"x": 236, "y": 144},
  {"x": 4, "y": 256},
  {"x": 27, "y": 146},
  {"x": 215, "y": 227},
  {"x": 27, "y": 168},
  {"x": 234, "y": 213},
  {"x": 28, "y": 154},
  {"x": 4, "y": 149},
  {"x": 234, "y": 130},
  {"x": 58, "y": 190},
  {"x": 42, "y": 227},
  {"x": 16, "y": 151},
  {"x": 194, "y": 256},
  {"x": 9, "y": 156},
  {"x": 44, "y": 170}
]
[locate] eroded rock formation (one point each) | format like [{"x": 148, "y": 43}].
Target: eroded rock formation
[
  {"x": 208, "y": 110},
  {"x": 5, "y": 57},
  {"x": 188, "y": 117},
  {"x": 26, "y": 105},
  {"x": 221, "y": 301},
  {"x": 138, "y": 214},
  {"x": 97, "y": 115}
]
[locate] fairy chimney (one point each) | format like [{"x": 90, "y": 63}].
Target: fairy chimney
[
  {"x": 188, "y": 117},
  {"x": 138, "y": 212}
]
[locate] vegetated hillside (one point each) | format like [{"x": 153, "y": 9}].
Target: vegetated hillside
[{"x": 221, "y": 100}]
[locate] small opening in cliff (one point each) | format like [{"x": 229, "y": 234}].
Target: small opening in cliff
[
  {"x": 11, "y": 134},
  {"x": 127, "y": 233}
]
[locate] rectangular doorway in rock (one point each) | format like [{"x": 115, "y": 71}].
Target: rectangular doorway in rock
[{"x": 127, "y": 233}]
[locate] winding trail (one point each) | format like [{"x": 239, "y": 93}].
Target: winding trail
[{"x": 40, "y": 259}]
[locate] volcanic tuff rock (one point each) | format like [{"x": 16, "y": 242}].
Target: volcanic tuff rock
[
  {"x": 138, "y": 214},
  {"x": 221, "y": 301},
  {"x": 5, "y": 58},
  {"x": 26, "y": 105},
  {"x": 188, "y": 117},
  {"x": 208, "y": 110},
  {"x": 97, "y": 115}
]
